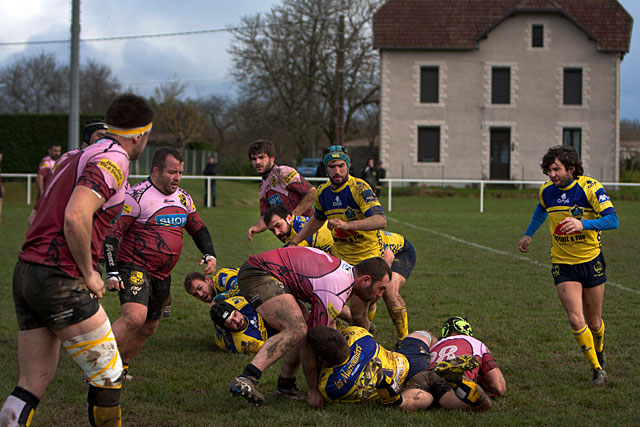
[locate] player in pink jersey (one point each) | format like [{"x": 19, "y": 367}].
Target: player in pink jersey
[
  {"x": 469, "y": 387},
  {"x": 56, "y": 285},
  {"x": 273, "y": 282},
  {"x": 149, "y": 235},
  {"x": 280, "y": 185},
  {"x": 45, "y": 168}
]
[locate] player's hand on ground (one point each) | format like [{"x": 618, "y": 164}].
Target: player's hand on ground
[
  {"x": 95, "y": 284},
  {"x": 571, "y": 225},
  {"x": 523, "y": 244},
  {"x": 315, "y": 399},
  {"x": 210, "y": 264}
]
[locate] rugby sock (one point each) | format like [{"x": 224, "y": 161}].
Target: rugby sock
[
  {"x": 400, "y": 322},
  {"x": 104, "y": 406},
  {"x": 469, "y": 392},
  {"x": 19, "y": 407},
  {"x": 585, "y": 341},
  {"x": 286, "y": 383},
  {"x": 373, "y": 307},
  {"x": 598, "y": 337},
  {"x": 251, "y": 371},
  {"x": 388, "y": 391}
]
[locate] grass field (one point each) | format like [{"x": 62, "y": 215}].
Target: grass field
[{"x": 468, "y": 264}]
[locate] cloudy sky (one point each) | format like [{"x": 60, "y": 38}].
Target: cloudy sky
[{"x": 201, "y": 61}]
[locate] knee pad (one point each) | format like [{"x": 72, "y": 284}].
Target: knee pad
[{"x": 97, "y": 355}]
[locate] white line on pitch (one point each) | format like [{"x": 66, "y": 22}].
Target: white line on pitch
[{"x": 496, "y": 251}]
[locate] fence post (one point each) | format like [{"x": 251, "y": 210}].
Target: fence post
[
  {"x": 481, "y": 196},
  {"x": 28, "y": 189},
  {"x": 208, "y": 191},
  {"x": 390, "y": 189}
]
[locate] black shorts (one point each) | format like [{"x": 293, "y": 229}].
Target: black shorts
[
  {"x": 257, "y": 285},
  {"x": 416, "y": 352},
  {"x": 143, "y": 288},
  {"x": 589, "y": 274},
  {"x": 405, "y": 260},
  {"x": 48, "y": 297}
]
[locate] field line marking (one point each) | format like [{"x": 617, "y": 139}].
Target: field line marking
[{"x": 497, "y": 251}]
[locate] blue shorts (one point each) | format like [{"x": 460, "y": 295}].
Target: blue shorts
[
  {"x": 416, "y": 352},
  {"x": 405, "y": 260},
  {"x": 589, "y": 274}
]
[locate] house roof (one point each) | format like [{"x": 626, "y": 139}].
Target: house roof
[{"x": 460, "y": 24}]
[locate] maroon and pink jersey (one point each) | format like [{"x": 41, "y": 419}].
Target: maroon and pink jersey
[
  {"x": 283, "y": 185},
  {"x": 104, "y": 169},
  {"x": 312, "y": 276},
  {"x": 150, "y": 227},
  {"x": 459, "y": 345},
  {"x": 45, "y": 169}
]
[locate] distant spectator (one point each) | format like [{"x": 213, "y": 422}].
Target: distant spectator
[
  {"x": 45, "y": 169},
  {"x": 211, "y": 169},
  {"x": 382, "y": 174},
  {"x": 370, "y": 173},
  {"x": 321, "y": 172}
]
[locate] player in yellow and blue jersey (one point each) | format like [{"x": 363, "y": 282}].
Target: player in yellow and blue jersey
[
  {"x": 285, "y": 226},
  {"x": 355, "y": 368},
  {"x": 223, "y": 285},
  {"x": 238, "y": 328},
  {"x": 354, "y": 215},
  {"x": 578, "y": 209}
]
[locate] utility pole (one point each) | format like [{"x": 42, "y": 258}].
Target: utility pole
[
  {"x": 74, "y": 77},
  {"x": 340, "y": 84}
]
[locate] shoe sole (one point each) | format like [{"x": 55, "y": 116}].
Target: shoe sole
[
  {"x": 238, "y": 388},
  {"x": 457, "y": 365}
]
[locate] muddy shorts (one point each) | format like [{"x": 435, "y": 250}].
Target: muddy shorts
[
  {"x": 404, "y": 260},
  {"x": 143, "y": 288},
  {"x": 416, "y": 352},
  {"x": 257, "y": 285},
  {"x": 48, "y": 297}
]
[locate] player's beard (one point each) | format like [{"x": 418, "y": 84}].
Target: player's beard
[{"x": 338, "y": 180}]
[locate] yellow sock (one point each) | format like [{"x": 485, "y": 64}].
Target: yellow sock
[
  {"x": 372, "y": 311},
  {"x": 585, "y": 341},
  {"x": 598, "y": 337},
  {"x": 400, "y": 322}
]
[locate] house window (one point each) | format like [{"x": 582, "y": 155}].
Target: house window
[
  {"x": 429, "y": 144},
  {"x": 500, "y": 85},
  {"x": 572, "y": 86},
  {"x": 572, "y": 137},
  {"x": 537, "y": 35},
  {"x": 429, "y": 84}
]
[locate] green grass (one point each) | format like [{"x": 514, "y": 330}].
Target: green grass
[{"x": 509, "y": 299}]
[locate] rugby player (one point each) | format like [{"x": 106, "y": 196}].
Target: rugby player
[
  {"x": 274, "y": 281},
  {"x": 355, "y": 217},
  {"x": 56, "y": 284},
  {"x": 284, "y": 225},
  {"x": 149, "y": 235},
  {"x": 355, "y": 368},
  {"x": 280, "y": 185},
  {"x": 471, "y": 387},
  {"x": 579, "y": 209},
  {"x": 45, "y": 168},
  {"x": 223, "y": 285}
]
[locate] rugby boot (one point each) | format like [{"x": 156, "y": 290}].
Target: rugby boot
[
  {"x": 246, "y": 387},
  {"x": 452, "y": 369},
  {"x": 599, "y": 377},
  {"x": 126, "y": 376}
]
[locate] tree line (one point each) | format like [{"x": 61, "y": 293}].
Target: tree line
[{"x": 284, "y": 65}]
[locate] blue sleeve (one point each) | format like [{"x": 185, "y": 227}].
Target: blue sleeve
[
  {"x": 609, "y": 221},
  {"x": 538, "y": 218}
]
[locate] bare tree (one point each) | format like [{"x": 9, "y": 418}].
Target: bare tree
[
  {"x": 34, "y": 84},
  {"x": 184, "y": 121},
  {"x": 286, "y": 60},
  {"x": 98, "y": 87}
]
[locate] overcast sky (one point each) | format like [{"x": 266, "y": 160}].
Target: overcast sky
[{"x": 201, "y": 60}]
